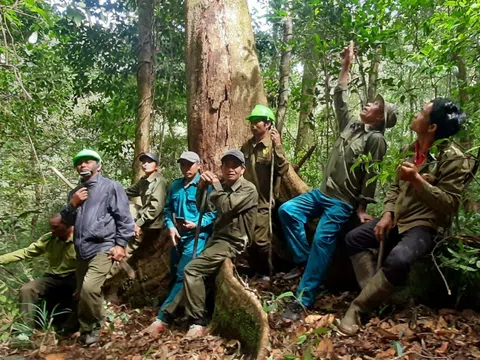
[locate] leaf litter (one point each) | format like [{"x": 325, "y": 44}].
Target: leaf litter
[{"x": 412, "y": 333}]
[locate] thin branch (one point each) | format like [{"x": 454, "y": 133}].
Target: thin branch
[{"x": 432, "y": 254}]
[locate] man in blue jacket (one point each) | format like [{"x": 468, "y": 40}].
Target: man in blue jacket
[
  {"x": 98, "y": 208},
  {"x": 181, "y": 219}
]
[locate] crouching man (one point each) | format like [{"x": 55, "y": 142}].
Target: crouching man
[
  {"x": 58, "y": 283},
  {"x": 417, "y": 207},
  {"x": 235, "y": 200}
]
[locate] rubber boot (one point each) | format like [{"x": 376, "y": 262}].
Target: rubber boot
[
  {"x": 364, "y": 267},
  {"x": 377, "y": 290}
]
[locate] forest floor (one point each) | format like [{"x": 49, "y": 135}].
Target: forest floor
[{"x": 412, "y": 333}]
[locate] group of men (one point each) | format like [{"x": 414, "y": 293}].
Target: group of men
[{"x": 211, "y": 218}]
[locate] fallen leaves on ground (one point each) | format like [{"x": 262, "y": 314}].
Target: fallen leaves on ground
[{"x": 413, "y": 333}]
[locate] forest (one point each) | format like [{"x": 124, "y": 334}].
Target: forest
[{"x": 124, "y": 77}]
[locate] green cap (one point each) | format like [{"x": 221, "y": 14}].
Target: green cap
[
  {"x": 261, "y": 111},
  {"x": 86, "y": 154}
]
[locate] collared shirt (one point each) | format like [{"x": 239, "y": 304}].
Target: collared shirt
[
  {"x": 258, "y": 162},
  {"x": 356, "y": 139},
  {"x": 236, "y": 211},
  {"x": 103, "y": 220},
  {"x": 181, "y": 201},
  {"x": 437, "y": 201},
  {"x": 153, "y": 192},
  {"x": 60, "y": 254}
]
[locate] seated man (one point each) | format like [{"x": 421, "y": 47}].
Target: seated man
[
  {"x": 342, "y": 192},
  {"x": 58, "y": 283},
  {"x": 181, "y": 219},
  {"x": 235, "y": 200},
  {"x": 418, "y": 206},
  {"x": 264, "y": 147}
]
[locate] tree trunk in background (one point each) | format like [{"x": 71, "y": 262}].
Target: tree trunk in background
[
  {"x": 372, "y": 77},
  {"x": 145, "y": 81},
  {"x": 224, "y": 81},
  {"x": 307, "y": 102},
  {"x": 283, "y": 90}
]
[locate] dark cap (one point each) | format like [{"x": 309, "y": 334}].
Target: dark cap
[
  {"x": 237, "y": 154},
  {"x": 150, "y": 156},
  {"x": 189, "y": 156}
]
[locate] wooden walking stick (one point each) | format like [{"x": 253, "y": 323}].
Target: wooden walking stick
[{"x": 203, "y": 205}]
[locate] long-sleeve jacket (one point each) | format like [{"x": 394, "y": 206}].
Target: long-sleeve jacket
[
  {"x": 153, "y": 192},
  {"x": 236, "y": 211},
  {"x": 356, "y": 138},
  {"x": 103, "y": 220},
  {"x": 182, "y": 202},
  {"x": 437, "y": 201},
  {"x": 60, "y": 254},
  {"x": 258, "y": 161}
]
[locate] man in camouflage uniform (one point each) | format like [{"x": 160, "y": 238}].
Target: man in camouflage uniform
[
  {"x": 418, "y": 206},
  {"x": 342, "y": 192}
]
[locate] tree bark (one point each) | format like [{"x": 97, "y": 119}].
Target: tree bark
[
  {"x": 145, "y": 81},
  {"x": 224, "y": 81},
  {"x": 283, "y": 91},
  {"x": 307, "y": 103}
]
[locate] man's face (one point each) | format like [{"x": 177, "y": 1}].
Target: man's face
[
  {"x": 421, "y": 121},
  {"x": 259, "y": 126},
  {"x": 189, "y": 169},
  {"x": 372, "y": 114},
  {"x": 86, "y": 164},
  {"x": 149, "y": 166},
  {"x": 232, "y": 169},
  {"x": 58, "y": 228}
]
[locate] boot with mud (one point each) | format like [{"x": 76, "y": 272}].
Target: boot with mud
[
  {"x": 364, "y": 266},
  {"x": 377, "y": 290}
]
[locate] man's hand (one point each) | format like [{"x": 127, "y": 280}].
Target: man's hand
[
  {"x": 407, "y": 172},
  {"x": 208, "y": 177},
  {"x": 117, "y": 253},
  {"x": 383, "y": 226},
  {"x": 173, "y": 235},
  {"x": 364, "y": 217},
  {"x": 348, "y": 55},
  {"x": 137, "y": 231},
  {"x": 276, "y": 139},
  {"x": 79, "y": 197}
]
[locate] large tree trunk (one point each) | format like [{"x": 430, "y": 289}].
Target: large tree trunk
[
  {"x": 224, "y": 81},
  {"x": 307, "y": 103},
  {"x": 145, "y": 81},
  {"x": 283, "y": 90}
]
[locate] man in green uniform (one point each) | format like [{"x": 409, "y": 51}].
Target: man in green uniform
[
  {"x": 235, "y": 200},
  {"x": 418, "y": 207},
  {"x": 58, "y": 283},
  {"x": 343, "y": 190},
  {"x": 264, "y": 147},
  {"x": 152, "y": 189}
]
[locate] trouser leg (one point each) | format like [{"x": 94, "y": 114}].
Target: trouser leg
[{"x": 92, "y": 276}]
